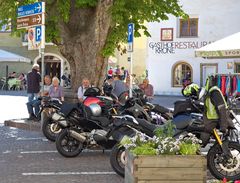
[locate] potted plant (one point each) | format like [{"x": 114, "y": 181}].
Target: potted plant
[{"x": 164, "y": 158}]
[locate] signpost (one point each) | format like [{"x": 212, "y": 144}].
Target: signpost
[
  {"x": 29, "y": 21},
  {"x": 33, "y": 15},
  {"x": 130, "y": 50}
]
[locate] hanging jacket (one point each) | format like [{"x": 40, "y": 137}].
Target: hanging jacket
[{"x": 223, "y": 86}]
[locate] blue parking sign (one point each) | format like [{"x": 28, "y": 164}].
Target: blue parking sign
[
  {"x": 130, "y": 32},
  {"x": 38, "y": 34}
]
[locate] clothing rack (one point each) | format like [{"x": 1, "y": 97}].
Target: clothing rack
[{"x": 228, "y": 83}]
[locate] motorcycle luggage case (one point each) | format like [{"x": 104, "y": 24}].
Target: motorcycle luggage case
[{"x": 184, "y": 106}]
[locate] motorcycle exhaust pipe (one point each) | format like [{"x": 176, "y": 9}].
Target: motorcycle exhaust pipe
[{"x": 77, "y": 136}]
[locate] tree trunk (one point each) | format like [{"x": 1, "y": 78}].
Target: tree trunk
[{"x": 83, "y": 42}]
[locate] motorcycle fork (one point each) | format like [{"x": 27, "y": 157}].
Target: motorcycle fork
[{"x": 223, "y": 145}]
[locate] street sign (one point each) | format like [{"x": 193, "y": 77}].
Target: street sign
[
  {"x": 130, "y": 32},
  {"x": 38, "y": 32},
  {"x": 30, "y": 21},
  {"x": 33, "y": 44},
  {"x": 30, "y": 9},
  {"x": 130, "y": 37}
]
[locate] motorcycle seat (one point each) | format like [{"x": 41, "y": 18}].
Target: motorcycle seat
[
  {"x": 102, "y": 120},
  {"x": 147, "y": 125}
]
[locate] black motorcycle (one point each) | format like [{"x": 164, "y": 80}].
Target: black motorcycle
[
  {"x": 48, "y": 107},
  {"x": 82, "y": 127},
  {"x": 223, "y": 157}
]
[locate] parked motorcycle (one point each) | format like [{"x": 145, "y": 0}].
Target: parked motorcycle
[
  {"x": 49, "y": 105},
  {"x": 223, "y": 157},
  {"x": 50, "y": 126},
  {"x": 83, "y": 127}
]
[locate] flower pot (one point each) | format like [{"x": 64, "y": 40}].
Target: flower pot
[{"x": 165, "y": 169}]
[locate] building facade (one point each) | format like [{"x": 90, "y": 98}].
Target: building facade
[
  {"x": 171, "y": 48},
  {"x": 55, "y": 64}
]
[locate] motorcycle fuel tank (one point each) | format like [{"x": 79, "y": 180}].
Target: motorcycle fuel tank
[{"x": 182, "y": 121}]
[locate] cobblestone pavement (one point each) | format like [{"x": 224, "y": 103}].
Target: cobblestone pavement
[{"x": 27, "y": 157}]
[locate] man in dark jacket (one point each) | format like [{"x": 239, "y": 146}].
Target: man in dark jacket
[{"x": 33, "y": 85}]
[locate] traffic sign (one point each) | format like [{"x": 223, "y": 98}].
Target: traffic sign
[
  {"x": 30, "y": 9},
  {"x": 130, "y": 37},
  {"x": 130, "y": 32},
  {"x": 30, "y": 21},
  {"x": 38, "y": 36}
]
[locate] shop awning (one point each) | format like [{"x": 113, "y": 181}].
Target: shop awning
[
  {"x": 228, "y": 47},
  {"x": 6, "y": 56}
]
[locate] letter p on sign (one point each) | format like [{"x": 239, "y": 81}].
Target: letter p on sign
[{"x": 38, "y": 34}]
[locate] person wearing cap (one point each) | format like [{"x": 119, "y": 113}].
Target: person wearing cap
[{"x": 33, "y": 84}]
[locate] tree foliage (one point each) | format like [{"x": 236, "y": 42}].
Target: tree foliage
[{"x": 121, "y": 12}]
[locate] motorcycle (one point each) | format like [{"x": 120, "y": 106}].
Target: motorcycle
[
  {"x": 49, "y": 105},
  {"x": 83, "y": 127},
  {"x": 223, "y": 157},
  {"x": 50, "y": 127}
]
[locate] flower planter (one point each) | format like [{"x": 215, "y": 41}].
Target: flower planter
[{"x": 165, "y": 169}]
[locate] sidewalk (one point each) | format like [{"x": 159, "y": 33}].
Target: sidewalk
[{"x": 22, "y": 123}]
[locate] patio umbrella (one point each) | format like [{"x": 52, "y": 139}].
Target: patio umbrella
[
  {"x": 228, "y": 47},
  {"x": 6, "y": 56}
]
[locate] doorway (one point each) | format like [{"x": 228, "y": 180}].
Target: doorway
[
  {"x": 206, "y": 70},
  {"x": 52, "y": 66}
]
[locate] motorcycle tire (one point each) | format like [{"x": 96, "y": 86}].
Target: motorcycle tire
[
  {"x": 229, "y": 170},
  {"x": 67, "y": 145},
  {"x": 116, "y": 160},
  {"x": 49, "y": 128}
]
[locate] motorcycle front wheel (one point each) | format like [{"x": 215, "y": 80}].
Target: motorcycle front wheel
[
  {"x": 222, "y": 167},
  {"x": 117, "y": 159},
  {"x": 50, "y": 129},
  {"x": 67, "y": 145}
]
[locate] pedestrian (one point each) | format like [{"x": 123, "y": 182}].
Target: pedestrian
[
  {"x": 81, "y": 90},
  {"x": 34, "y": 105},
  {"x": 33, "y": 82},
  {"x": 117, "y": 70},
  {"x": 147, "y": 89},
  {"x": 110, "y": 73},
  {"x": 55, "y": 90}
]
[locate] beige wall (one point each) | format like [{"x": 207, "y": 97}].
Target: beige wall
[
  {"x": 139, "y": 57},
  {"x": 13, "y": 44}
]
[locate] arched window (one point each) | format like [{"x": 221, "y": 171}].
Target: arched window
[{"x": 182, "y": 72}]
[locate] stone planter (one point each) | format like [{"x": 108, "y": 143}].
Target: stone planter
[{"x": 165, "y": 169}]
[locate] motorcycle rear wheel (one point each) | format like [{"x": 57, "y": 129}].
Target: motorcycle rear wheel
[
  {"x": 117, "y": 160},
  {"x": 220, "y": 167},
  {"x": 67, "y": 145},
  {"x": 49, "y": 128}
]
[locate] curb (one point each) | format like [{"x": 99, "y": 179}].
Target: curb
[{"x": 23, "y": 124}]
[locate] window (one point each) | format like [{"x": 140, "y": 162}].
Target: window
[
  {"x": 189, "y": 27},
  {"x": 237, "y": 67},
  {"x": 182, "y": 72}
]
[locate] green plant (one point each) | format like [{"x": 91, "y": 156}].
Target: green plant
[{"x": 162, "y": 143}]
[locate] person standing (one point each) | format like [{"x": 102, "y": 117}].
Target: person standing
[
  {"x": 33, "y": 83},
  {"x": 81, "y": 90},
  {"x": 147, "y": 89}
]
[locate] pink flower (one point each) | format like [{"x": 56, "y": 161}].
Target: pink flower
[{"x": 237, "y": 181}]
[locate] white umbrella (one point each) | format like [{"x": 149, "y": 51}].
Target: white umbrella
[
  {"x": 6, "y": 56},
  {"x": 228, "y": 47}
]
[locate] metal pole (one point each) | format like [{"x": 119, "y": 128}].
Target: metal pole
[
  {"x": 131, "y": 77},
  {"x": 42, "y": 66},
  {"x": 6, "y": 85}
]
